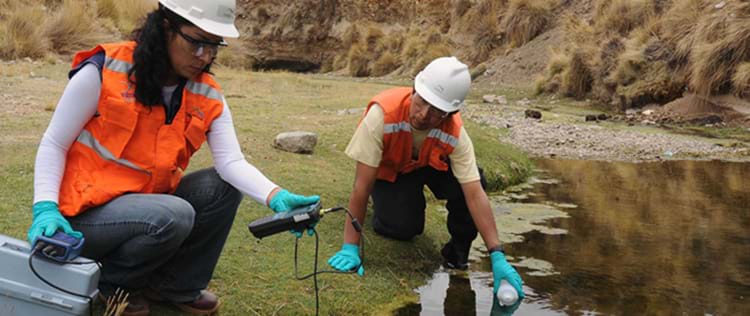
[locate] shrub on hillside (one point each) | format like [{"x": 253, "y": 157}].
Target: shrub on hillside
[
  {"x": 577, "y": 78},
  {"x": 235, "y": 55},
  {"x": 719, "y": 51},
  {"x": 70, "y": 28},
  {"x": 358, "y": 60},
  {"x": 622, "y": 16},
  {"x": 485, "y": 39},
  {"x": 677, "y": 29},
  {"x": 20, "y": 33},
  {"x": 37, "y": 28},
  {"x": 525, "y": 20},
  {"x": 385, "y": 64},
  {"x": 421, "y": 48},
  {"x": 741, "y": 80}
]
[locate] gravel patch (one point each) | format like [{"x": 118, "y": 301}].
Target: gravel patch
[{"x": 592, "y": 141}]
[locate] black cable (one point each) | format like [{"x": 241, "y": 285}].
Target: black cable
[
  {"x": 315, "y": 272},
  {"x": 31, "y": 266}
]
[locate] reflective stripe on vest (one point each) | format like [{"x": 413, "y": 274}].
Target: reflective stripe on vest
[
  {"x": 128, "y": 147},
  {"x": 117, "y": 65},
  {"x": 443, "y": 137},
  {"x": 396, "y": 127},
  {"x": 194, "y": 87},
  {"x": 398, "y": 139},
  {"x": 89, "y": 141}
]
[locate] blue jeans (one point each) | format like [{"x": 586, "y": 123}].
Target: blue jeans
[{"x": 167, "y": 242}]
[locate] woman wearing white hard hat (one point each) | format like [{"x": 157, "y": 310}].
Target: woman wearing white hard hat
[
  {"x": 414, "y": 137},
  {"x": 110, "y": 165}
]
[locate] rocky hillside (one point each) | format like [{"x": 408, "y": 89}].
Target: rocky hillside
[{"x": 618, "y": 53}]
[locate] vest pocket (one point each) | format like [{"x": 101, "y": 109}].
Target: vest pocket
[
  {"x": 195, "y": 133},
  {"x": 119, "y": 121}
]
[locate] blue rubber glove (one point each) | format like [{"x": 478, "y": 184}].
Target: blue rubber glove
[
  {"x": 285, "y": 201},
  {"x": 48, "y": 220},
  {"x": 298, "y": 233},
  {"x": 501, "y": 269},
  {"x": 347, "y": 259}
]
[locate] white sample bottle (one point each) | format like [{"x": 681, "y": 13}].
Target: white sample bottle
[{"x": 506, "y": 294}]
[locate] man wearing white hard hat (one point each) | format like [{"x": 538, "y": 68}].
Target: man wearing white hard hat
[
  {"x": 412, "y": 137},
  {"x": 111, "y": 164}
]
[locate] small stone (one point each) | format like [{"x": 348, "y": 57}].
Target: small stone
[
  {"x": 534, "y": 114},
  {"x": 296, "y": 142}
]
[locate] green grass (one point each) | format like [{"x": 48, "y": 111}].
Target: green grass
[{"x": 256, "y": 277}]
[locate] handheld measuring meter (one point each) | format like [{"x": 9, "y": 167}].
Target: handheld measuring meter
[
  {"x": 300, "y": 219},
  {"x": 296, "y": 219},
  {"x": 60, "y": 247}
]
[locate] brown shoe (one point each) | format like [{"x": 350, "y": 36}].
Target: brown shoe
[
  {"x": 137, "y": 305},
  {"x": 206, "y": 304}
]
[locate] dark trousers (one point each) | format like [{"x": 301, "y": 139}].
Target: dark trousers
[
  {"x": 168, "y": 242},
  {"x": 400, "y": 205}
]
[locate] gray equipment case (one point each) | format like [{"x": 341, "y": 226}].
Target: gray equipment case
[{"x": 23, "y": 294}]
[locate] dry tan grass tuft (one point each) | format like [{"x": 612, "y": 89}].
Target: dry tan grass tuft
[
  {"x": 385, "y": 64},
  {"x": 235, "y": 55},
  {"x": 340, "y": 61},
  {"x": 393, "y": 43},
  {"x": 577, "y": 77},
  {"x": 421, "y": 48},
  {"x": 525, "y": 20},
  {"x": 351, "y": 36},
  {"x": 359, "y": 60},
  {"x": 21, "y": 35},
  {"x": 716, "y": 57},
  {"x": 486, "y": 38},
  {"x": 741, "y": 80},
  {"x": 622, "y": 16},
  {"x": 132, "y": 13},
  {"x": 373, "y": 36},
  {"x": 460, "y": 7},
  {"x": 108, "y": 9},
  {"x": 678, "y": 29},
  {"x": 73, "y": 27}
]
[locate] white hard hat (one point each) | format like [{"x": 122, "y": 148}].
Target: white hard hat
[
  {"x": 213, "y": 16},
  {"x": 444, "y": 83}
]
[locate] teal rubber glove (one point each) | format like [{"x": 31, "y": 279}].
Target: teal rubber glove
[
  {"x": 48, "y": 220},
  {"x": 347, "y": 259},
  {"x": 298, "y": 233},
  {"x": 285, "y": 201},
  {"x": 501, "y": 269}
]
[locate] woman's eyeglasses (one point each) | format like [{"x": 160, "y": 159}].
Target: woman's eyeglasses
[{"x": 199, "y": 47}]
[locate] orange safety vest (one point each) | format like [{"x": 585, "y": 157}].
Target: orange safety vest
[
  {"x": 397, "y": 138},
  {"x": 127, "y": 147}
]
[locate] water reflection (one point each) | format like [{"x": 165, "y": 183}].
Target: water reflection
[
  {"x": 659, "y": 238},
  {"x": 651, "y": 238},
  {"x": 461, "y": 293}
]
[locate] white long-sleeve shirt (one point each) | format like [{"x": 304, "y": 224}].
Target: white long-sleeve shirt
[{"x": 78, "y": 105}]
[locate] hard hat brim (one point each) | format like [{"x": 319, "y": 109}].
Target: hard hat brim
[
  {"x": 218, "y": 29},
  {"x": 431, "y": 97}
]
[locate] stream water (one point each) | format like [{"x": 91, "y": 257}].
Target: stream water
[{"x": 609, "y": 238}]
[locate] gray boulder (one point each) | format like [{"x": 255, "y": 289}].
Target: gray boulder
[{"x": 296, "y": 142}]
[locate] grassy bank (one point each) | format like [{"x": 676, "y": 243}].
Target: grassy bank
[{"x": 256, "y": 277}]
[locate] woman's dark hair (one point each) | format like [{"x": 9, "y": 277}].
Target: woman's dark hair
[{"x": 151, "y": 63}]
